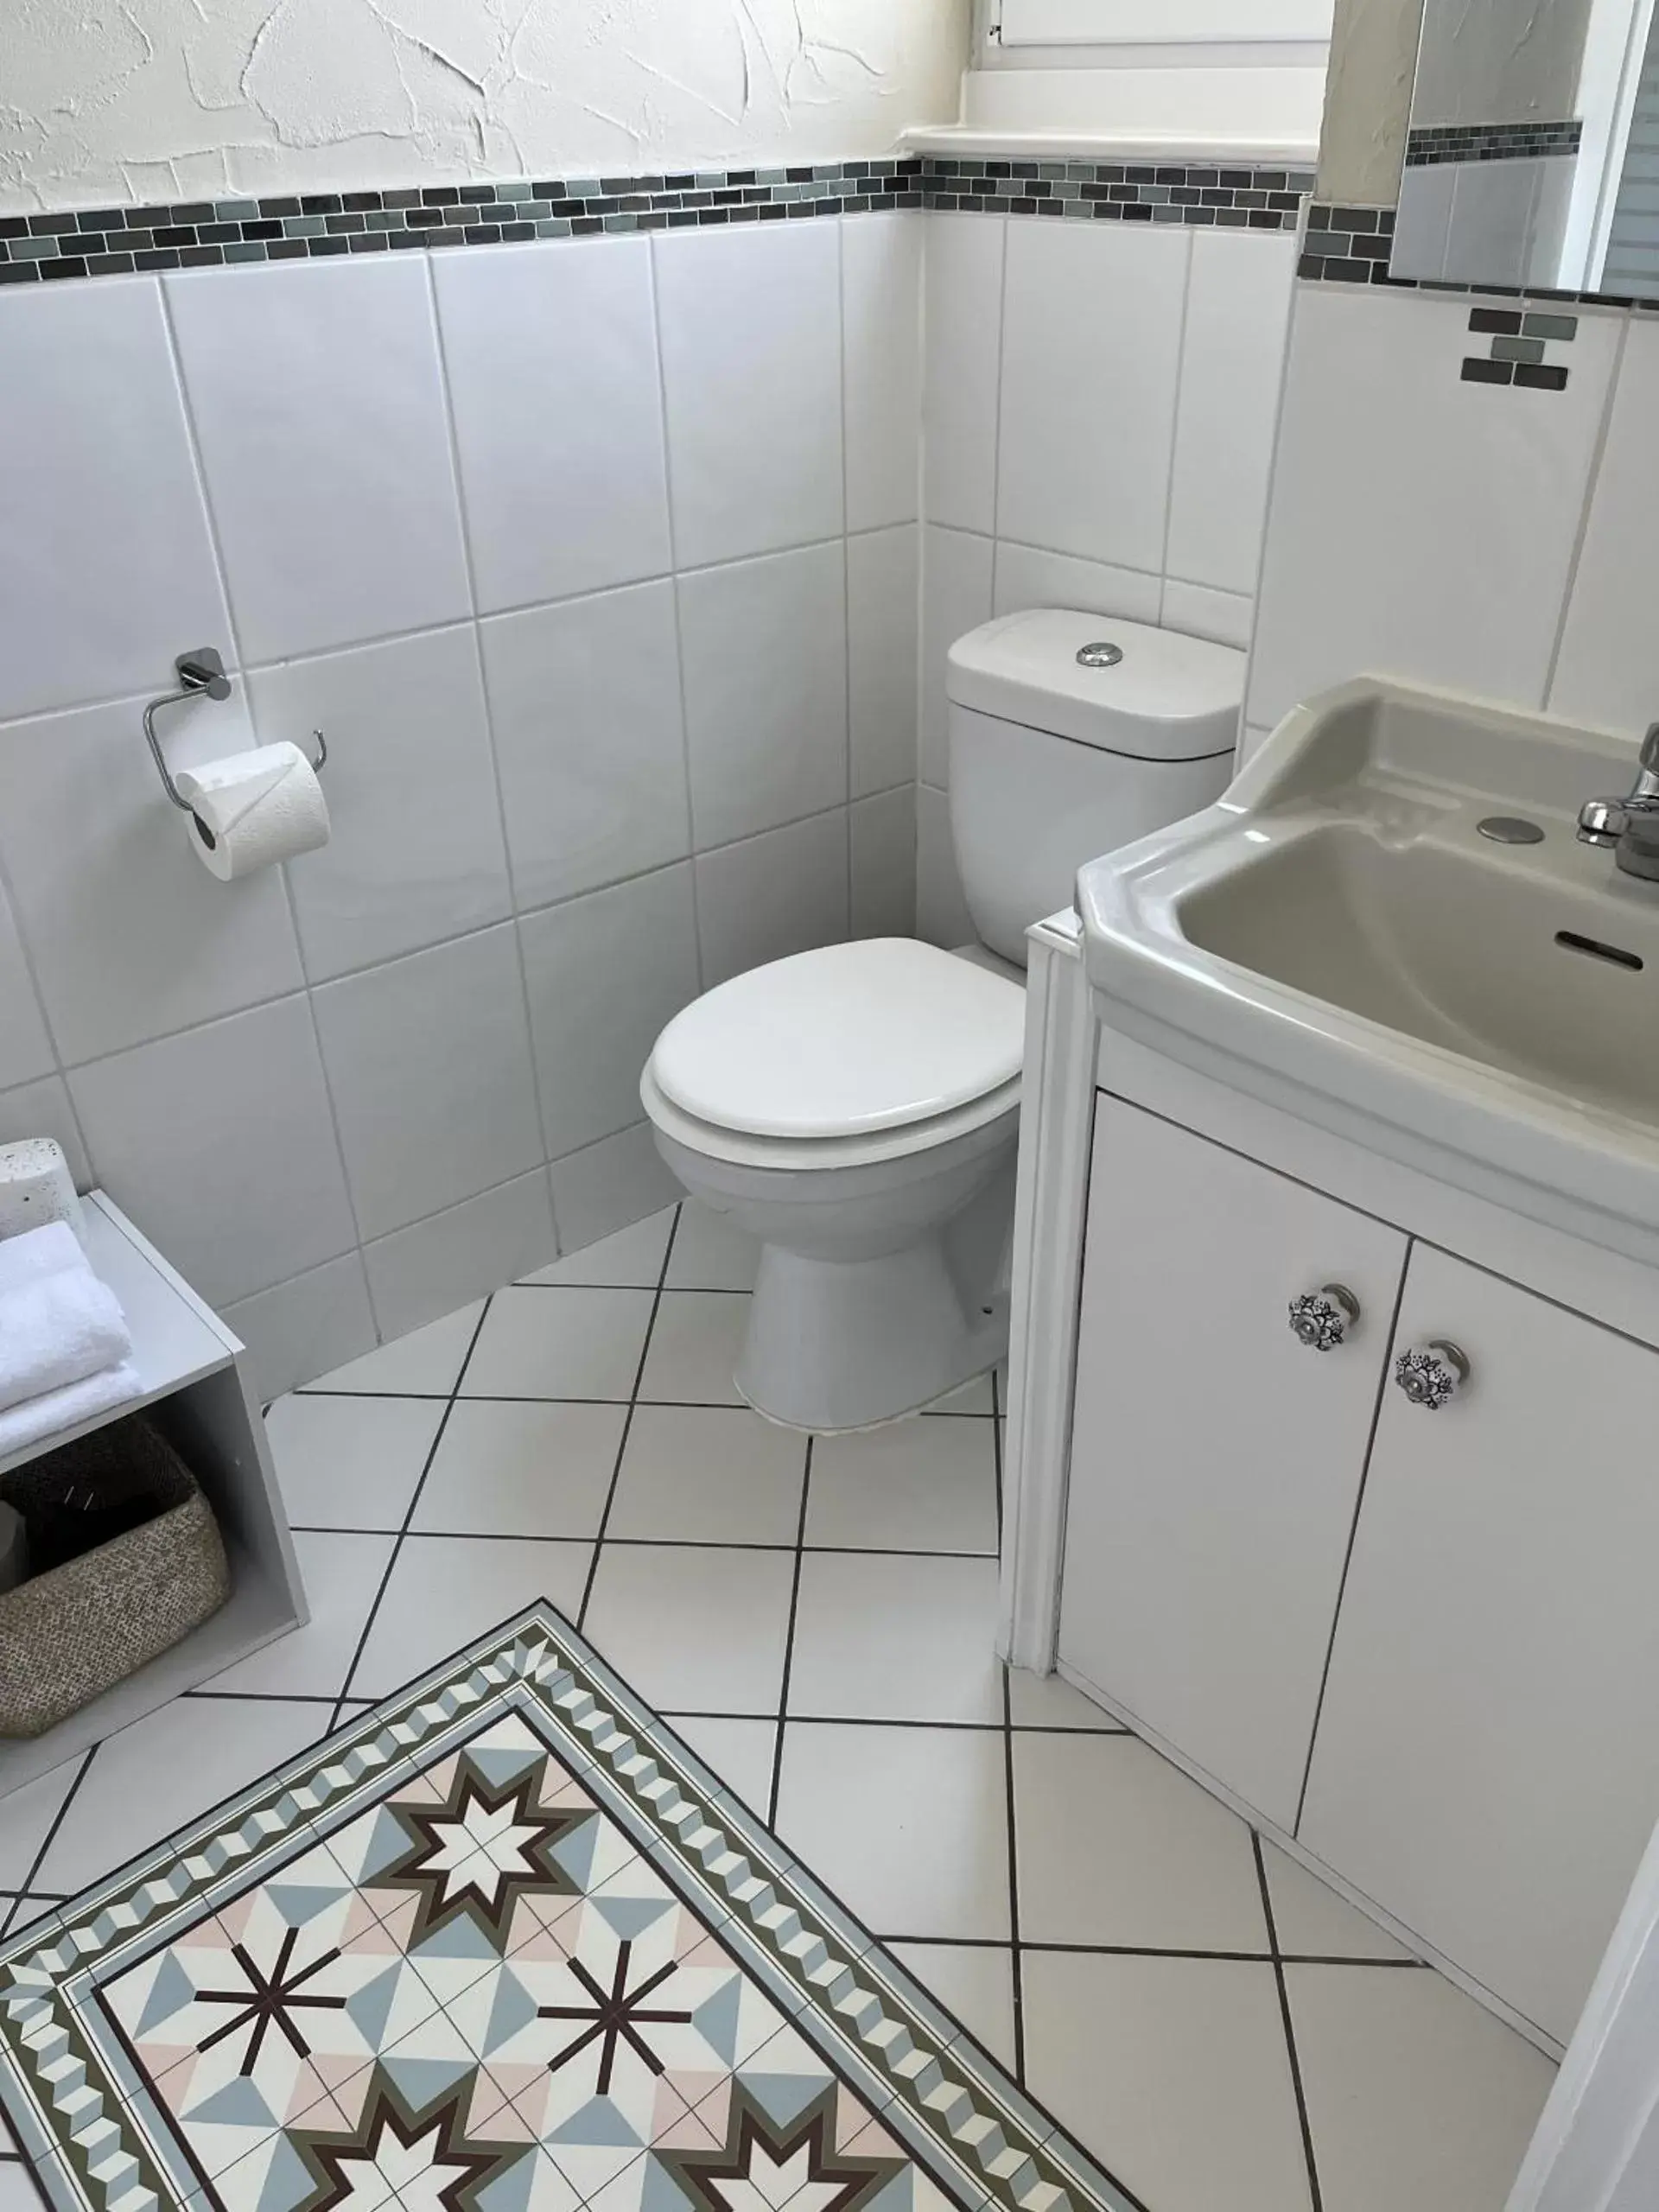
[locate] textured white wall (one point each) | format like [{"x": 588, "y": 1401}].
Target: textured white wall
[
  {"x": 112, "y": 100},
  {"x": 1368, "y": 99}
]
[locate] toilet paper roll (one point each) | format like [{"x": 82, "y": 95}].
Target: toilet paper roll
[
  {"x": 13, "y": 1548},
  {"x": 253, "y": 810}
]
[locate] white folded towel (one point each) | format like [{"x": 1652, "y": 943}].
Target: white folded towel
[
  {"x": 39, "y": 1253},
  {"x": 21, "y": 1426},
  {"x": 59, "y": 1327}
]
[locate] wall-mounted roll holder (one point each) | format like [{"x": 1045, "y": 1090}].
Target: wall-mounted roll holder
[{"x": 201, "y": 674}]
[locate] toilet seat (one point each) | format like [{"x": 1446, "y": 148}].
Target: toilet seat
[
  {"x": 888, "y": 1042},
  {"x": 804, "y": 1155}
]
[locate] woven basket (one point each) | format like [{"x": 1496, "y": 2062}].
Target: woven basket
[{"x": 69, "y": 1635}]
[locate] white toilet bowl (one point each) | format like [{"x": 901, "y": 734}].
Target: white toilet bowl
[
  {"x": 857, "y": 1108},
  {"x": 856, "y": 1111}
]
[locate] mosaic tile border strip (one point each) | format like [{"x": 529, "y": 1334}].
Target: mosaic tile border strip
[
  {"x": 323, "y": 226},
  {"x": 318, "y": 225},
  {"x": 1351, "y": 245},
  {"x": 98, "y": 2140},
  {"x": 1206, "y": 195},
  {"x": 1491, "y": 142}
]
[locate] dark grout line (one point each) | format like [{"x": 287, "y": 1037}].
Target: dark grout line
[
  {"x": 541, "y": 1398},
  {"x": 789, "y": 1639},
  {"x": 1014, "y": 1883},
  {"x": 46, "y": 1842},
  {"x": 628, "y": 1424},
  {"x": 656, "y": 1543},
  {"x": 1290, "y": 2031},
  {"x": 374, "y": 1614},
  {"x": 996, "y": 1451}
]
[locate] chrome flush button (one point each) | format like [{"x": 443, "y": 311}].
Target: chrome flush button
[{"x": 1100, "y": 656}]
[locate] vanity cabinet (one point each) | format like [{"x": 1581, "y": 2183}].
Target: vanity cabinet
[
  {"x": 1487, "y": 1763},
  {"x": 1422, "y": 1640},
  {"x": 1216, "y": 1461}
]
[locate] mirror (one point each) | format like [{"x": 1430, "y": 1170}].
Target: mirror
[{"x": 1532, "y": 161}]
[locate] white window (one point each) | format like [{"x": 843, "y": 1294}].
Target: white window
[{"x": 1157, "y": 22}]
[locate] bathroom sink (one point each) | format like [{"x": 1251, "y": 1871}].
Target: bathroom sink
[{"x": 1337, "y": 935}]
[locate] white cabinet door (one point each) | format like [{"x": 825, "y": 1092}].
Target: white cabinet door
[
  {"x": 1216, "y": 1461},
  {"x": 1488, "y": 1758}
]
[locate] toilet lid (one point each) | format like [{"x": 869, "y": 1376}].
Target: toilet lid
[{"x": 855, "y": 1037}]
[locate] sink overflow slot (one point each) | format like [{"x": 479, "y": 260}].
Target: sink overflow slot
[{"x": 1598, "y": 950}]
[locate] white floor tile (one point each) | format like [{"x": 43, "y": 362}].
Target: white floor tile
[
  {"x": 1415, "y": 2095},
  {"x": 507, "y": 1469},
  {"x": 896, "y": 1638},
  {"x": 1175, "y": 2074},
  {"x": 694, "y": 1348},
  {"x": 1045, "y": 1701},
  {"x": 740, "y": 1751},
  {"x": 18, "y": 2192},
  {"x": 162, "y": 1771},
  {"x": 909, "y": 1827},
  {"x": 973, "y": 1981},
  {"x": 350, "y": 1463},
  {"x": 1310, "y": 1918},
  {"x": 560, "y": 1344},
  {"x": 630, "y": 1260},
  {"x": 443, "y": 1593},
  {"x": 1116, "y": 1846},
  {"x": 708, "y": 1474},
  {"x": 917, "y": 1486},
  {"x": 423, "y": 1365},
  {"x": 711, "y": 1252},
  {"x": 342, "y": 1575},
  {"x": 26, "y": 1818},
  {"x": 694, "y": 1630}
]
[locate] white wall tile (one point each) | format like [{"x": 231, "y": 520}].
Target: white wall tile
[
  {"x": 1222, "y": 616},
  {"x": 883, "y": 617},
  {"x": 956, "y": 598},
  {"x": 590, "y": 740},
  {"x": 606, "y": 1185},
  {"x": 1385, "y": 461},
  {"x": 551, "y": 352},
  {"x": 427, "y": 1270},
  {"x": 42, "y": 1110},
  {"x": 882, "y": 308},
  {"x": 604, "y": 974},
  {"x": 428, "y": 1064},
  {"x": 1608, "y": 673},
  {"x": 219, "y": 1144},
  {"x": 1232, "y": 369},
  {"x": 106, "y": 569},
  {"x": 883, "y": 832},
  {"x": 942, "y": 915},
  {"x": 319, "y": 407},
  {"x": 130, "y": 936},
  {"x": 750, "y": 337},
  {"x": 962, "y": 324},
  {"x": 1026, "y": 576},
  {"x": 299, "y": 1330},
  {"x": 415, "y": 851},
  {"x": 25, "y": 1049},
  {"x": 783, "y": 892},
  {"x": 764, "y": 644},
  {"x": 1091, "y": 351}
]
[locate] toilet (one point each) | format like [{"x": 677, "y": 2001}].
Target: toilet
[{"x": 857, "y": 1108}]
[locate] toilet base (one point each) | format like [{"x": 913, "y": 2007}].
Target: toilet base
[
  {"x": 881, "y": 1289},
  {"x": 838, "y": 1345}
]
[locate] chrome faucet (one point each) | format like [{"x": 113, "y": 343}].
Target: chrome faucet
[{"x": 1630, "y": 827}]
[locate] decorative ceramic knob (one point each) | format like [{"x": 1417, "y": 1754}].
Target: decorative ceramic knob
[
  {"x": 1432, "y": 1375},
  {"x": 1322, "y": 1318}
]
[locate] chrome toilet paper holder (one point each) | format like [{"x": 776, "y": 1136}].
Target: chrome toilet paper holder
[{"x": 201, "y": 674}]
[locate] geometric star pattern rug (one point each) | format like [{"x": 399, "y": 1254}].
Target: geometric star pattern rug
[{"x": 504, "y": 1945}]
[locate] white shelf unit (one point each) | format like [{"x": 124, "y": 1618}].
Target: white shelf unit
[{"x": 197, "y": 1390}]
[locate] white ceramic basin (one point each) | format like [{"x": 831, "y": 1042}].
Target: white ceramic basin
[{"x": 1337, "y": 936}]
